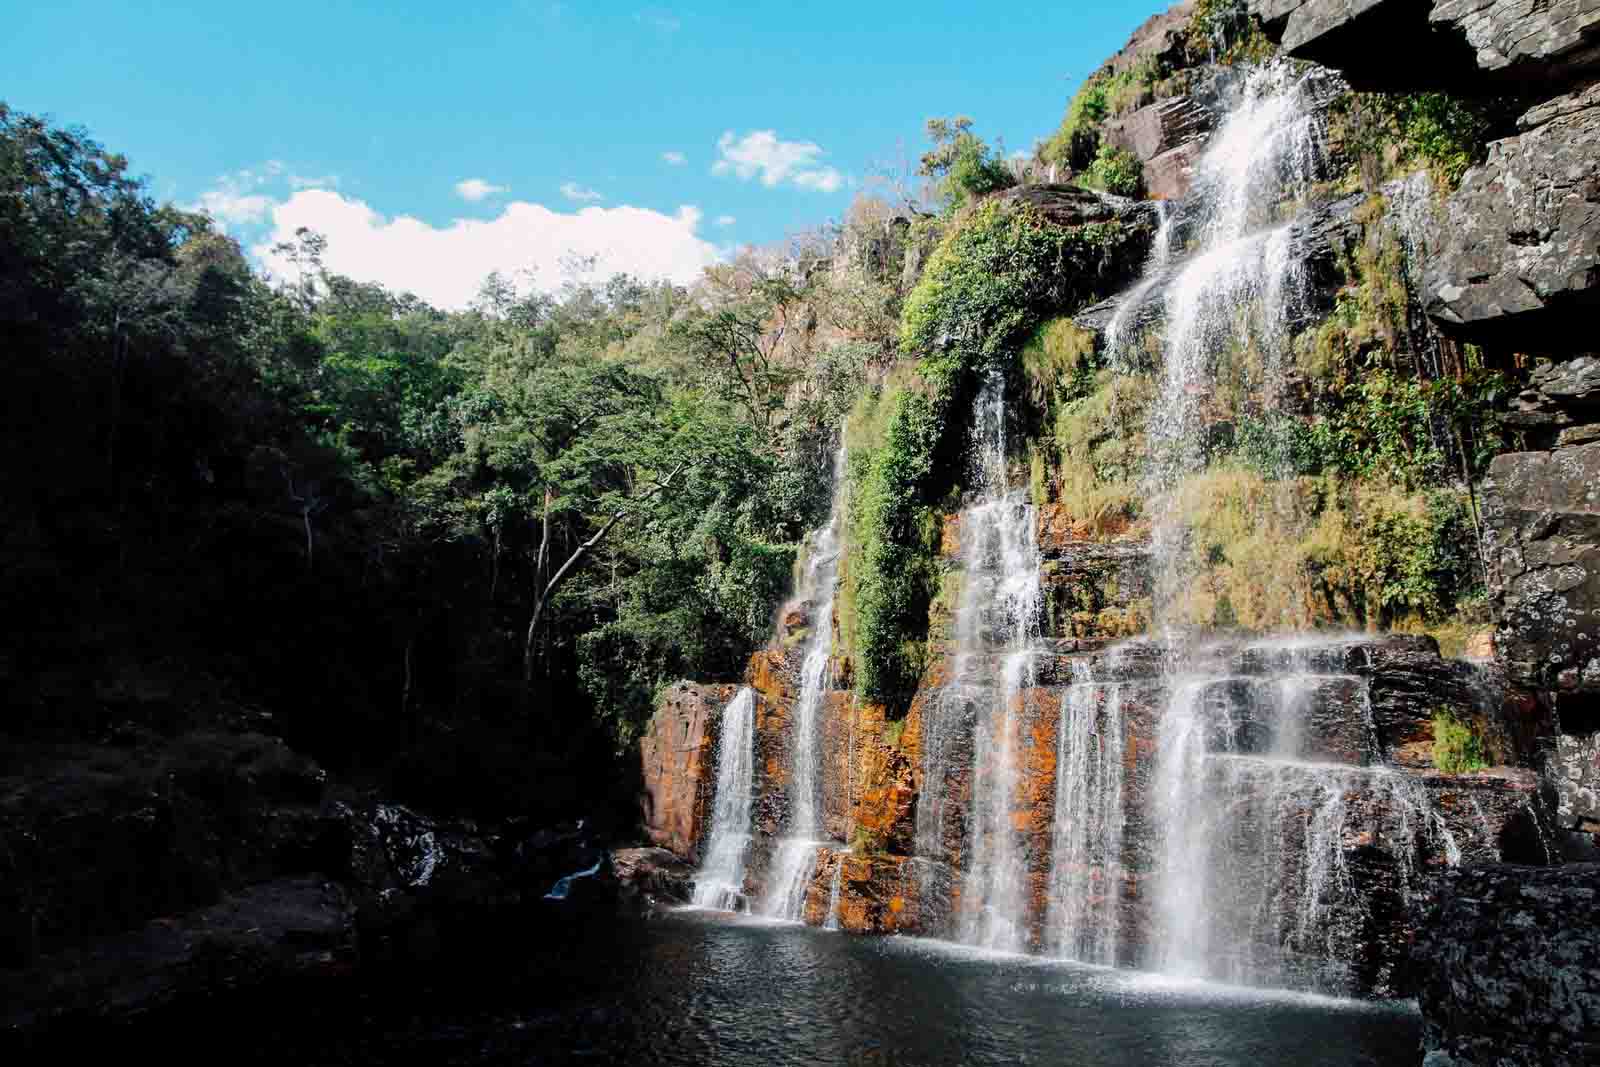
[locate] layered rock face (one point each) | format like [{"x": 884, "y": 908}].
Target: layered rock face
[
  {"x": 1462, "y": 44},
  {"x": 1335, "y": 840},
  {"x": 1520, "y": 262}
]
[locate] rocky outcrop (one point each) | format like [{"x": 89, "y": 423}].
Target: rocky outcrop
[
  {"x": 1519, "y": 264},
  {"x": 1324, "y": 235},
  {"x": 293, "y": 928},
  {"x": 1526, "y": 39},
  {"x": 132, "y": 877},
  {"x": 1167, "y": 138},
  {"x": 1466, "y": 45},
  {"x": 1560, "y": 404},
  {"x": 1508, "y": 961},
  {"x": 1542, "y": 525}
]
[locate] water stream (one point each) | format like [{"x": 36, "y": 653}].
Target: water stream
[{"x": 796, "y": 860}]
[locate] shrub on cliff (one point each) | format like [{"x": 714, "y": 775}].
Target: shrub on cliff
[{"x": 999, "y": 272}]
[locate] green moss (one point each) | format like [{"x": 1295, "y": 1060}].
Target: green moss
[
  {"x": 1457, "y": 746},
  {"x": 893, "y": 731}
]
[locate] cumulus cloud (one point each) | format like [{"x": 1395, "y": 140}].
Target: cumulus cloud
[
  {"x": 445, "y": 264},
  {"x": 726, "y": 220},
  {"x": 762, "y": 154},
  {"x": 676, "y": 159},
  {"x": 574, "y": 191},
  {"x": 475, "y": 189}
]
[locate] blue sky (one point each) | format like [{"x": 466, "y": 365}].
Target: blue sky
[{"x": 433, "y": 142}]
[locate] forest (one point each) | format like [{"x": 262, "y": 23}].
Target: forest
[{"x": 457, "y": 550}]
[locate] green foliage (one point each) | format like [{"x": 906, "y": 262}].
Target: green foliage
[
  {"x": 1075, "y": 140},
  {"x": 1389, "y": 133},
  {"x": 1457, "y": 747},
  {"x": 1116, "y": 170},
  {"x": 1225, "y": 31},
  {"x": 962, "y": 167},
  {"x": 990, "y": 283},
  {"x": 1268, "y": 553},
  {"x": 893, "y": 541},
  {"x": 333, "y": 489}
]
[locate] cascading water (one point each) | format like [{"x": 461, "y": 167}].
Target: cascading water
[
  {"x": 1082, "y": 922},
  {"x": 1155, "y": 267},
  {"x": 1239, "y": 288},
  {"x": 996, "y": 623},
  {"x": 719, "y": 883},
  {"x": 796, "y": 860}
]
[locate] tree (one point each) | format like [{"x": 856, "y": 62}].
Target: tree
[{"x": 961, "y": 166}]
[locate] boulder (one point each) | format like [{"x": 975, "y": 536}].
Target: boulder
[
  {"x": 1519, "y": 264},
  {"x": 1508, "y": 967},
  {"x": 653, "y": 873},
  {"x": 1166, "y": 137},
  {"x": 1542, "y": 529}
]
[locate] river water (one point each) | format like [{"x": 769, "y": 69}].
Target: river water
[{"x": 704, "y": 988}]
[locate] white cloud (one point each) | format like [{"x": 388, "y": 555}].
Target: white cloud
[
  {"x": 761, "y": 153},
  {"x": 445, "y": 264},
  {"x": 676, "y": 159},
  {"x": 475, "y": 189},
  {"x": 574, "y": 191},
  {"x": 726, "y": 220},
  {"x": 326, "y": 181},
  {"x": 234, "y": 207}
]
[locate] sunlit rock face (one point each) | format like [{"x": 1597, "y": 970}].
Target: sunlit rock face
[
  {"x": 1520, "y": 259},
  {"x": 676, "y": 758}
]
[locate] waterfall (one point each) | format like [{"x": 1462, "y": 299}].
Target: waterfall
[
  {"x": 1238, "y": 289},
  {"x": 996, "y": 620},
  {"x": 719, "y": 883},
  {"x": 832, "y": 921},
  {"x": 797, "y": 853},
  {"x": 1254, "y": 885},
  {"x": 1083, "y": 920},
  {"x": 1155, "y": 267}
]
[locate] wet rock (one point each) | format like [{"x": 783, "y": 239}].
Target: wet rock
[
  {"x": 292, "y": 928},
  {"x": 676, "y": 754},
  {"x": 1324, "y": 233},
  {"x": 1508, "y": 960},
  {"x": 653, "y": 873},
  {"x": 1542, "y": 528},
  {"x": 1519, "y": 262},
  {"x": 1094, "y": 587}
]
